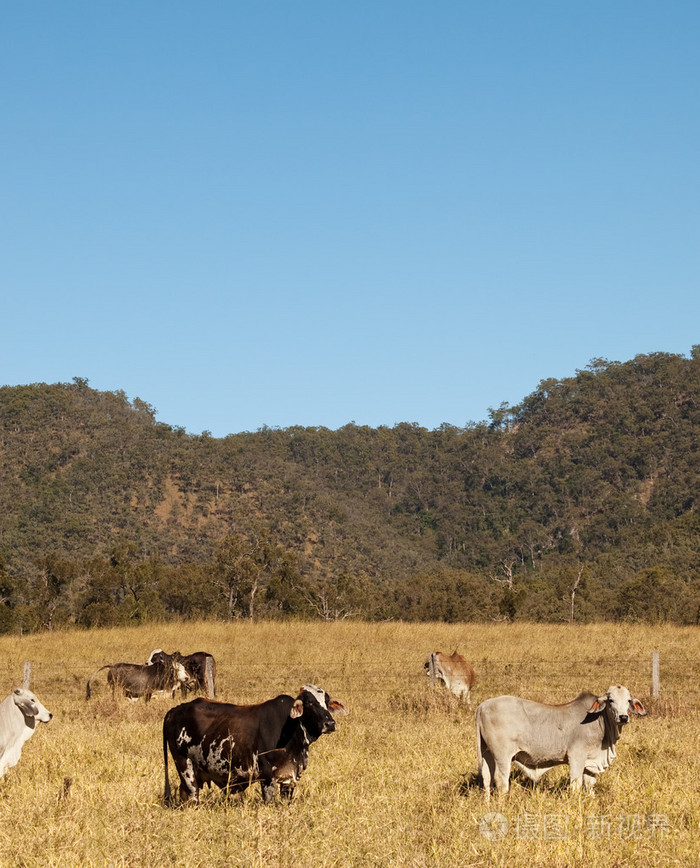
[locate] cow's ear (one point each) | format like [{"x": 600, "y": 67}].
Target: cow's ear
[
  {"x": 637, "y": 707},
  {"x": 338, "y": 707},
  {"x": 598, "y": 705},
  {"x": 26, "y": 706},
  {"x": 297, "y": 709}
]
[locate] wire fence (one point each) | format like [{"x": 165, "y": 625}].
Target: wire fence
[{"x": 650, "y": 672}]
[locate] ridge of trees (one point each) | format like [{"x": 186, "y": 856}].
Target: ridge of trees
[{"x": 579, "y": 503}]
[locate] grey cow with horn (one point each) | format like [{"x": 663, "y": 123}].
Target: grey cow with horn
[{"x": 536, "y": 737}]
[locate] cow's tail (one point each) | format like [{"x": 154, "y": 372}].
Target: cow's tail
[
  {"x": 167, "y": 795},
  {"x": 87, "y": 686},
  {"x": 479, "y": 757}
]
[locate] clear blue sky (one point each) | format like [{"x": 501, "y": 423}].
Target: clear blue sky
[{"x": 310, "y": 213}]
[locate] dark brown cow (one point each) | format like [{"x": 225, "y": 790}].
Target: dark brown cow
[
  {"x": 196, "y": 668},
  {"x": 234, "y": 746},
  {"x": 163, "y": 674},
  {"x": 454, "y": 671}
]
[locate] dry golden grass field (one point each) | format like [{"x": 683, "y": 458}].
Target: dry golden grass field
[{"x": 393, "y": 786}]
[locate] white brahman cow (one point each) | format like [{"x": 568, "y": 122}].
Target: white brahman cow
[{"x": 536, "y": 737}]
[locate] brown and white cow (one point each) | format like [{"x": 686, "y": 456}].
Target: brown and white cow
[
  {"x": 195, "y": 666},
  {"x": 536, "y": 737},
  {"x": 454, "y": 671},
  {"x": 234, "y": 746},
  {"x": 164, "y": 675}
]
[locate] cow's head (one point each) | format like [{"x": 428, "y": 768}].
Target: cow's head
[
  {"x": 618, "y": 702},
  {"x": 183, "y": 676},
  {"x": 30, "y": 706},
  {"x": 314, "y": 706},
  {"x": 177, "y": 674}
]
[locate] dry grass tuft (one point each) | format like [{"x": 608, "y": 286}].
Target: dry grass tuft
[{"x": 428, "y": 701}]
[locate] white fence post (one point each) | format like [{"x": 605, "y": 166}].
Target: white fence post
[
  {"x": 432, "y": 670},
  {"x": 209, "y": 676},
  {"x": 655, "y": 679},
  {"x": 27, "y": 675}
]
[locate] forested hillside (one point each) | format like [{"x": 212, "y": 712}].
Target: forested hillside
[{"x": 579, "y": 503}]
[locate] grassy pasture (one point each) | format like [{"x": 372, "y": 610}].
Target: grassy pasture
[{"x": 393, "y": 786}]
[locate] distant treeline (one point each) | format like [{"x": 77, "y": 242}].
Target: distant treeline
[{"x": 577, "y": 504}]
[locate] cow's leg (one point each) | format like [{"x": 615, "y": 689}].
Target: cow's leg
[
  {"x": 576, "y": 771},
  {"x": 189, "y": 785},
  {"x": 501, "y": 775},
  {"x": 269, "y": 789},
  {"x": 487, "y": 771},
  {"x": 287, "y": 791},
  {"x": 589, "y": 781},
  {"x": 465, "y": 694}
]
